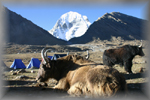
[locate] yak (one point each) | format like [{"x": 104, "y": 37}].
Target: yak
[
  {"x": 122, "y": 55},
  {"x": 81, "y": 77}
]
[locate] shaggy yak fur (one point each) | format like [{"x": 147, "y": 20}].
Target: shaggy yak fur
[
  {"x": 81, "y": 77},
  {"x": 122, "y": 56}
]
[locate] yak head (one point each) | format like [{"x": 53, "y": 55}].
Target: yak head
[
  {"x": 47, "y": 69},
  {"x": 140, "y": 50},
  {"x": 53, "y": 68}
]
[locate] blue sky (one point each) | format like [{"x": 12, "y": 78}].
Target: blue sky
[{"x": 46, "y": 15}]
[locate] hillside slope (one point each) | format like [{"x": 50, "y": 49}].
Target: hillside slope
[
  {"x": 110, "y": 25},
  {"x": 22, "y": 31}
]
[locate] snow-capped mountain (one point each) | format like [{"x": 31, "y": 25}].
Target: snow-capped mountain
[{"x": 70, "y": 25}]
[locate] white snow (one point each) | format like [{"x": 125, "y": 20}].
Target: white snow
[{"x": 70, "y": 25}]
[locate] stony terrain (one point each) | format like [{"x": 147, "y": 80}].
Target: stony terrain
[{"x": 21, "y": 84}]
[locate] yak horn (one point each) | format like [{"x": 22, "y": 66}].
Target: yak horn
[
  {"x": 67, "y": 53},
  {"x": 46, "y": 52},
  {"x": 141, "y": 44},
  {"x": 43, "y": 56},
  {"x": 87, "y": 57}
]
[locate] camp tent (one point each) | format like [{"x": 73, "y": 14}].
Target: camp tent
[
  {"x": 50, "y": 57},
  {"x": 34, "y": 63},
  {"x": 17, "y": 64},
  {"x": 56, "y": 56}
]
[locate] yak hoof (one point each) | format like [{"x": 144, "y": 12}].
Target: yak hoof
[
  {"x": 129, "y": 72},
  {"x": 45, "y": 84}
]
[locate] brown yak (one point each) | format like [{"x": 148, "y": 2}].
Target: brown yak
[{"x": 81, "y": 77}]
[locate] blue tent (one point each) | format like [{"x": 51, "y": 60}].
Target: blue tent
[
  {"x": 50, "y": 57},
  {"x": 34, "y": 63},
  {"x": 17, "y": 64},
  {"x": 56, "y": 56}
]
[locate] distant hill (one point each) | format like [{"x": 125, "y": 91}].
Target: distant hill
[
  {"x": 22, "y": 31},
  {"x": 113, "y": 24}
]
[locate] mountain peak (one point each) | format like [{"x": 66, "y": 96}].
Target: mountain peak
[
  {"x": 109, "y": 15},
  {"x": 70, "y": 25},
  {"x": 115, "y": 16}
]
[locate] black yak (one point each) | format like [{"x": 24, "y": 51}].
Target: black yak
[{"x": 122, "y": 56}]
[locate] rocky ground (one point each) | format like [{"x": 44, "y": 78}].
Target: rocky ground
[{"x": 21, "y": 84}]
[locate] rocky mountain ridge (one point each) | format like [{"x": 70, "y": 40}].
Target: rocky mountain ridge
[
  {"x": 111, "y": 25},
  {"x": 19, "y": 30}
]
